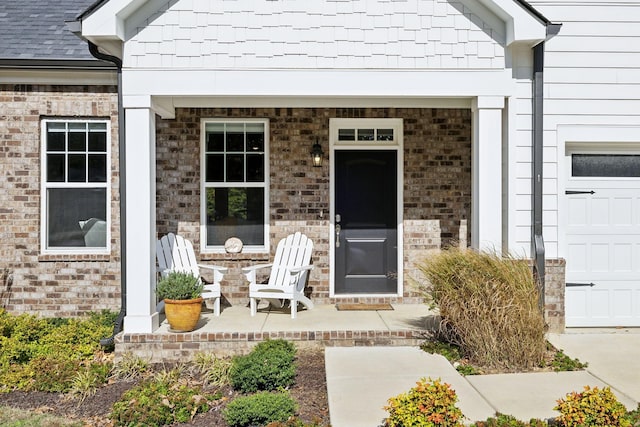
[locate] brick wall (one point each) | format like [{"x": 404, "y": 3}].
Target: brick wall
[
  {"x": 437, "y": 187},
  {"x": 554, "y": 294},
  {"x": 49, "y": 285}
]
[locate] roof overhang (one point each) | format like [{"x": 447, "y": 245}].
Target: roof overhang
[
  {"x": 104, "y": 24},
  {"x": 523, "y": 23}
]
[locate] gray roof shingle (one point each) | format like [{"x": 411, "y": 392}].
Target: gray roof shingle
[{"x": 36, "y": 30}]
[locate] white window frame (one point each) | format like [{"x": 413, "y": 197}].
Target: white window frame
[
  {"x": 217, "y": 249},
  {"x": 45, "y": 186}
]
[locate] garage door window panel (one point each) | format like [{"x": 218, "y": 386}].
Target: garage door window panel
[{"x": 605, "y": 165}]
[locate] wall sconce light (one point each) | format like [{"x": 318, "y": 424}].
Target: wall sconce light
[{"x": 317, "y": 155}]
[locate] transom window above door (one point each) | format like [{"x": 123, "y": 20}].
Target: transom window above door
[
  {"x": 366, "y": 132},
  {"x": 234, "y": 185}
]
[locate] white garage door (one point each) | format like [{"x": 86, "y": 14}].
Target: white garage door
[{"x": 603, "y": 240}]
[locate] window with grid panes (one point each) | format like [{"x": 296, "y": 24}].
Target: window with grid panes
[
  {"x": 76, "y": 178},
  {"x": 235, "y": 183}
]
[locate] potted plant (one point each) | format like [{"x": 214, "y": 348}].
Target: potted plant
[{"x": 182, "y": 295}]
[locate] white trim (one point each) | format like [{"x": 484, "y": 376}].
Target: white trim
[
  {"x": 203, "y": 186},
  {"x": 587, "y": 139},
  {"x": 325, "y": 83},
  {"x": 397, "y": 126},
  {"x": 44, "y": 186},
  {"x": 58, "y": 77}
]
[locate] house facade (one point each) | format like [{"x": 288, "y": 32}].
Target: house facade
[{"x": 494, "y": 124}]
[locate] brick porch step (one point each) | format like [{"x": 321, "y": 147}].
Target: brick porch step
[{"x": 235, "y": 331}]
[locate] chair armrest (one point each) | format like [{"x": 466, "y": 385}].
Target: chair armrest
[
  {"x": 218, "y": 272},
  {"x": 250, "y": 272},
  {"x": 214, "y": 267},
  {"x": 296, "y": 270},
  {"x": 255, "y": 267}
]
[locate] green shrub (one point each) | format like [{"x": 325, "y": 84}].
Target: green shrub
[
  {"x": 259, "y": 409},
  {"x": 45, "y": 354},
  {"x": 86, "y": 382},
  {"x": 501, "y": 420},
  {"x": 159, "y": 402},
  {"x": 214, "y": 370},
  {"x": 561, "y": 362},
  {"x": 179, "y": 286},
  {"x": 634, "y": 416},
  {"x": 130, "y": 367},
  {"x": 294, "y": 422},
  {"x": 592, "y": 407},
  {"x": 488, "y": 305},
  {"x": 430, "y": 403},
  {"x": 269, "y": 366}
]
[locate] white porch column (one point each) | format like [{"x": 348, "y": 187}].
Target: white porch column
[
  {"x": 141, "y": 220},
  {"x": 486, "y": 172}
]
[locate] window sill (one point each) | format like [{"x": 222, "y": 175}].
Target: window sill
[
  {"x": 74, "y": 257},
  {"x": 242, "y": 256}
]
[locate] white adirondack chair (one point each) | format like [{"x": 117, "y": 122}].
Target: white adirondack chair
[
  {"x": 175, "y": 253},
  {"x": 288, "y": 275}
]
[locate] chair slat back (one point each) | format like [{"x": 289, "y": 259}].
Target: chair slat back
[
  {"x": 293, "y": 251},
  {"x": 174, "y": 253}
]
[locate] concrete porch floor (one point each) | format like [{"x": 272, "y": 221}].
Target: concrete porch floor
[{"x": 235, "y": 330}]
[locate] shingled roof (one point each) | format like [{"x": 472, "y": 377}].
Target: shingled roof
[{"x": 36, "y": 30}]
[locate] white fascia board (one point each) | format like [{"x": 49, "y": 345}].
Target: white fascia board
[
  {"x": 106, "y": 27},
  {"x": 521, "y": 25},
  {"x": 318, "y": 83}
]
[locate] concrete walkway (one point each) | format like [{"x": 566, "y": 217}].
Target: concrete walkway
[{"x": 361, "y": 379}]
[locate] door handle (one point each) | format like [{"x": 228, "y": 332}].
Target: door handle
[{"x": 338, "y": 229}]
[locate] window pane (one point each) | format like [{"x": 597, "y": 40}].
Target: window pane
[
  {"x": 235, "y": 167},
  {"x": 346, "y": 135},
  {"x": 235, "y": 137},
  {"x": 60, "y": 126},
  {"x": 76, "y": 217},
  {"x": 235, "y": 212},
  {"x": 97, "y": 126},
  {"x": 215, "y": 168},
  {"x": 77, "y": 141},
  {"x": 77, "y": 168},
  {"x": 385, "y": 135},
  {"x": 605, "y": 165},
  {"x": 55, "y": 141},
  {"x": 98, "y": 141},
  {"x": 255, "y": 167},
  {"x": 215, "y": 141},
  {"x": 365, "y": 134},
  {"x": 255, "y": 142},
  {"x": 55, "y": 167},
  {"x": 97, "y": 168}
]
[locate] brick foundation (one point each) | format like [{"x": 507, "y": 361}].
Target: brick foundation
[{"x": 180, "y": 347}]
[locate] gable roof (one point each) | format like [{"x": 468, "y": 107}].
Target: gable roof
[{"x": 34, "y": 32}]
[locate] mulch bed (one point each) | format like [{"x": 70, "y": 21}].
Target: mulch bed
[{"x": 309, "y": 390}]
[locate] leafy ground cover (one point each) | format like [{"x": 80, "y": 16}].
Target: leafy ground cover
[{"x": 54, "y": 373}]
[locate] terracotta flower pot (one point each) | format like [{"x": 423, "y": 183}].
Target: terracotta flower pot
[{"x": 183, "y": 315}]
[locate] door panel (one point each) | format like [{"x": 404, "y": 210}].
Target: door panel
[
  {"x": 603, "y": 252},
  {"x": 366, "y": 221}
]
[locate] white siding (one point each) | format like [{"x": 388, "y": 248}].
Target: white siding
[
  {"x": 592, "y": 78},
  {"x": 354, "y": 34}
]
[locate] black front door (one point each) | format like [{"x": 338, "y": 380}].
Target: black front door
[{"x": 366, "y": 253}]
